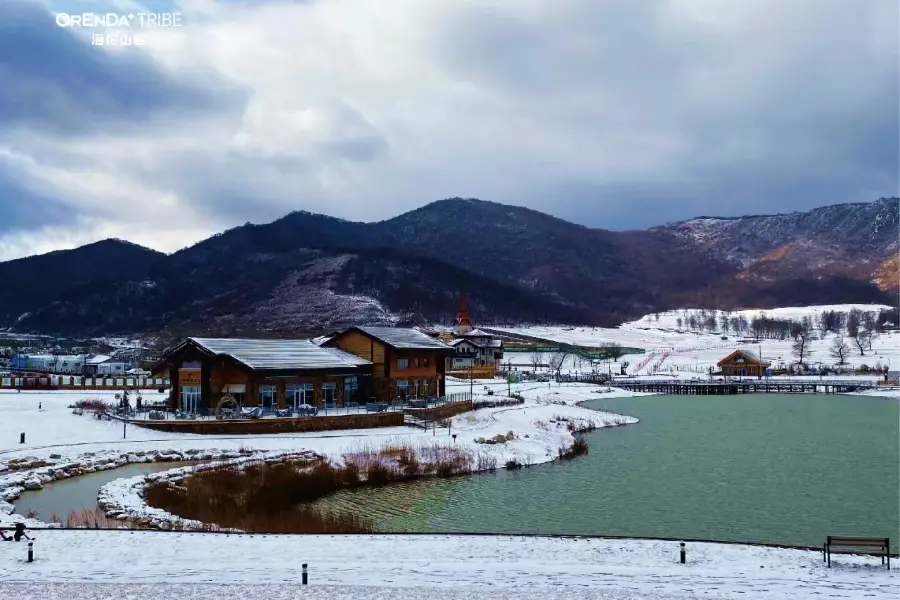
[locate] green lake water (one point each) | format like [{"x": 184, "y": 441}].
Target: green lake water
[
  {"x": 788, "y": 469},
  {"x": 80, "y": 493}
]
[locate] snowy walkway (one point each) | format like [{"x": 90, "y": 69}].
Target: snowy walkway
[{"x": 511, "y": 566}]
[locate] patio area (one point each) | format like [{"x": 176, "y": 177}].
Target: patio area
[{"x": 157, "y": 412}]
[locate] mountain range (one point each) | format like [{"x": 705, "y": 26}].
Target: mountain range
[{"x": 306, "y": 273}]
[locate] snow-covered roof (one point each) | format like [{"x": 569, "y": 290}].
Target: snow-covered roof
[
  {"x": 280, "y": 354},
  {"x": 490, "y": 343},
  {"x": 97, "y": 359},
  {"x": 752, "y": 356},
  {"x": 476, "y": 333},
  {"x": 404, "y": 339}
]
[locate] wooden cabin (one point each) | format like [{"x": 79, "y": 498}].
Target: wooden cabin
[
  {"x": 406, "y": 363},
  {"x": 267, "y": 373},
  {"x": 743, "y": 363}
]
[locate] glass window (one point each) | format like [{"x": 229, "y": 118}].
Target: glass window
[
  {"x": 403, "y": 363},
  {"x": 415, "y": 388},
  {"x": 329, "y": 392},
  {"x": 299, "y": 393},
  {"x": 424, "y": 362},
  {"x": 351, "y": 388},
  {"x": 424, "y": 387},
  {"x": 190, "y": 399},
  {"x": 416, "y": 362},
  {"x": 403, "y": 389},
  {"x": 267, "y": 396}
]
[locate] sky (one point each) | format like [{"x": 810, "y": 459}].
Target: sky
[{"x": 614, "y": 114}]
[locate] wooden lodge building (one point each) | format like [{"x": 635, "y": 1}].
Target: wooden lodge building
[
  {"x": 743, "y": 363},
  {"x": 267, "y": 373},
  {"x": 406, "y": 363}
]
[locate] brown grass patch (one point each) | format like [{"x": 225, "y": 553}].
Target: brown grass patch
[{"x": 275, "y": 497}]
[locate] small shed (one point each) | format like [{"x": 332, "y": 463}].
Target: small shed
[{"x": 743, "y": 363}]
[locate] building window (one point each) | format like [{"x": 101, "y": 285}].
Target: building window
[
  {"x": 403, "y": 390},
  {"x": 190, "y": 399},
  {"x": 351, "y": 389},
  {"x": 424, "y": 362},
  {"x": 300, "y": 393},
  {"x": 267, "y": 396},
  {"x": 403, "y": 363},
  {"x": 329, "y": 393},
  {"x": 424, "y": 387},
  {"x": 415, "y": 388},
  {"x": 416, "y": 363}
]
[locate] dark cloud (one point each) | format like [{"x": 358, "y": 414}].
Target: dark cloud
[
  {"x": 616, "y": 114},
  {"x": 23, "y": 209},
  {"x": 53, "y": 81}
]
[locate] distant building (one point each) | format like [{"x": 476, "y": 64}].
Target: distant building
[
  {"x": 101, "y": 364},
  {"x": 473, "y": 347},
  {"x": 48, "y": 363},
  {"x": 406, "y": 363},
  {"x": 743, "y": 363}
]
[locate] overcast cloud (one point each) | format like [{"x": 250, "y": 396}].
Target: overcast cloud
[{"x": 615, "y": 114}]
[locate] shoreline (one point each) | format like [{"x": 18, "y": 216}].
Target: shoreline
[{"x": 535, "y": 443}]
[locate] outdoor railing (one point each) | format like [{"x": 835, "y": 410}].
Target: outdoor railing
[
  {"x": 76, "y": 382},
  {"x": 322, "y": 410}
]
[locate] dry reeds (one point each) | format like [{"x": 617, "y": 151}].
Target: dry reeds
[
  {"x": 578, "y": 448},
  {"x": 95, "y": 404},
  {"x": 273, "y": 497}
]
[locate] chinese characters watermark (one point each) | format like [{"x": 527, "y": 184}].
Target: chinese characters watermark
[{"x": 120, "y": 29}]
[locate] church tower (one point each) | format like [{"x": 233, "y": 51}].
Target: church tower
[{"x": 463, "y": 323}]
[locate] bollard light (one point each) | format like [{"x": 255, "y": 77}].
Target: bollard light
[
  {"x": 30, "y": 551},
  {"x": 683, "y": 557},
  {"x": 305, "y": 579}
]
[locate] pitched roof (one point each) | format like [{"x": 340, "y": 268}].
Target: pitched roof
[
  {"x": 749, "y": 355},
  {"x": 475, "y": 333},
  {"x": 280, "y": 354},
  {"x": 404, "y": 339}
]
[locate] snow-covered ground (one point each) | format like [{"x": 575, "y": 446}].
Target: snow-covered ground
[
  {"x": 685, "y": 354},
  {"x": 144, "y": 565},
  {"x": 74, "y": 444},
  {"x": 432, "y": 566}
]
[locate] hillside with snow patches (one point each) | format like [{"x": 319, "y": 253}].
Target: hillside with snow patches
[{"x": 674, "y": 351}]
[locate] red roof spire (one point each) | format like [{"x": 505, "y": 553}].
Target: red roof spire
[{"x": 463, "y": 322}]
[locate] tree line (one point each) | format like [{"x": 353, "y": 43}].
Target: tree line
[{"x": 854, "y": 330}]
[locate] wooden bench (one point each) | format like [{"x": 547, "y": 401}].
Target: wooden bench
[{"x": 857, "y": 545}]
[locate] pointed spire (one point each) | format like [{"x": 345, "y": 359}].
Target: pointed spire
[{"x": 463, "y": 323}]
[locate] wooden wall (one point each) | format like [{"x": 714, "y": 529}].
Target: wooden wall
[
  {"x": 281, "y": 425},
  {"x": 365, "y": 347}
]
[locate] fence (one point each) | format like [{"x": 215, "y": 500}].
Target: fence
[
  {"x": 76, "y": 382},
  {"x": 479, "y": 372}
]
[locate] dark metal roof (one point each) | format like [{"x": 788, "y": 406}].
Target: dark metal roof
[
  {"x": 280, "y": 354},
  {"x": 404, "y": 339}
]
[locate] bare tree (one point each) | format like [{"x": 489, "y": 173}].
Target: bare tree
[
  {"x": 855, "y": 330},
  {"x": 557, "y": 360},
  {"x": 800, "y": 333},
  {"x": 537, "y": 360},
  {"x": 614, "y": 351},
  {"x": 679, "y": 322},
  {"x": 724, "y": 323},
  {"x": 839, "y": 349}
]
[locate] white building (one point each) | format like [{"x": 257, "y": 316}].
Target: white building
[
  {"x": 476, "y": 348},
  {"x": 100, "y": 364},
  {"x": 49, "y": 363}
]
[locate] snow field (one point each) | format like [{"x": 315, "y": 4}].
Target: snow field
[
  {"x": 433, "y": 565},
  {"x": 690, "y": 354}
]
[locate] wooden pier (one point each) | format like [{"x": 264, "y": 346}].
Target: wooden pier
[{"x": 745, "y": 386}]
